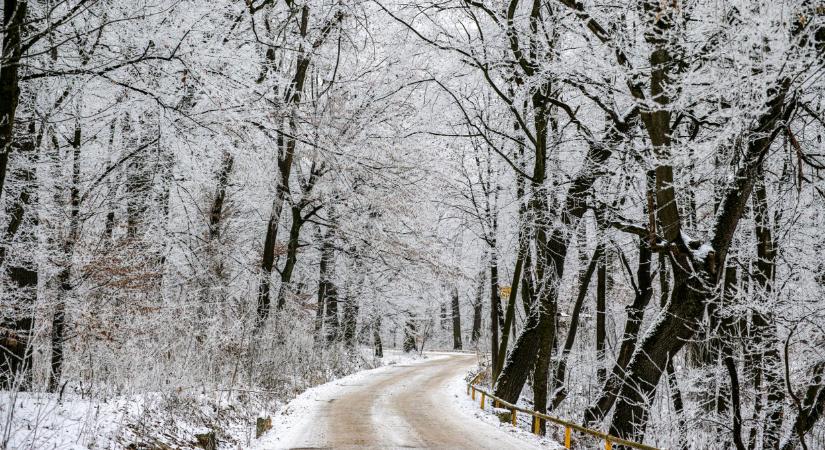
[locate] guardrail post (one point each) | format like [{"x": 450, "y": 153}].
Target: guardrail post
[
  {"x": 536, "y": 425},
  {"x": 474, "y": 392},
  {"x": 608, "y": 445},
  {"x": 514, "y": 417},
  {"x": 566, "y": 437},
  {"x": 482, "y": 403}
]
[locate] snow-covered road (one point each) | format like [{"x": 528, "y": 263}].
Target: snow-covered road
[{"x": 415, "y": 405}]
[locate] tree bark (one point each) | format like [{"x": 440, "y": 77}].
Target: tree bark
[
  {"x": 65, "y": 275},
  {"x": 216, "y": 211},
  {"x": 14, "y": 16},
  {"x": 377, "y": 346},
  {"x": 349, "y": 319},
  {"x": 456, "y": 312},
  {"x": 409, "y": 335},
  {"x": 765, "y": 343},
  {"x": 478, "y": 308},
  {"x": 601, "y": 328},
  {"x": 291, "y": 255},
  {"x": 495, "y": 307}
]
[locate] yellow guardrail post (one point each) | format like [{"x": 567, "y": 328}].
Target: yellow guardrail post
[
  {"x": 536, "y": 425},
  {"x": 608, "y": 445},
  {"x": 566, "y": 437},
  {"x": 482, "y": 400},
  {"x": 514, "y": 416},
  {"x": 474, "y": 393}
]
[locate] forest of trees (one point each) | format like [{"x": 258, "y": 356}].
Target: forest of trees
[{"x": 622, "y": 203}]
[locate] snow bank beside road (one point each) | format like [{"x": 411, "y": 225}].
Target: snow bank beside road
[{"x": 457, "y": 389}]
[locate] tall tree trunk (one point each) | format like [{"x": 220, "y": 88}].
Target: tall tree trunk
[
  {"x": 331, "y": 321},
  {"x": 672, "y": 380},
  {"x": 271, "y": 239},
  {"x": 765, "y": 344},
  {"x": 17, "y": 312},
  {"x": 216, "y": 211},
  {"x": 349, "y": 320},
  {"x": 64, "y": 277},
  {"x": 14, "y": 16},
  {"x": 511, "y": 301},
  {"x": 409, "y": 335},
  {"x": 325, "y": 271},
  {"x": 456, "y": 313},
  {"x": 728, "y": 333},
  {"x": 495, "y": 306},
  {"x": 291, "y": 255},
  {"x": 478, "y": 308},
  {"x": 377, "y": 346},
  {"x": 601, "y": 328}
]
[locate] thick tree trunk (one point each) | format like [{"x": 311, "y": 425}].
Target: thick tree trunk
[
  {"x": 331, "y": 321},
  {"x": 478, "y": 308},
  {"x": 14, "y": 16},
  {"x": 17, "y": 312},
  {"x": 409, "y": 335},
  {"x": 65, "y": 275},
  {"x": 601, "y": 328},
  {"x": 495, "y": 307},
  {"x": 291, "y": 255},
  {"x": 325, "y": 270},
  {"x": 377, "y": 346},
  {"x": 765, "y": 343},
  {"x": 216, "y": 211},
  {"x": 456, "y": 313},
  {"x": 349, "y": 320}
]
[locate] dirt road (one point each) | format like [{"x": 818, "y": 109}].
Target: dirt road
[{"x": 403, "y": 406}]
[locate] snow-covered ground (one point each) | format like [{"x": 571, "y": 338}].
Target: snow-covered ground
[{"x": 43, "y": 421}]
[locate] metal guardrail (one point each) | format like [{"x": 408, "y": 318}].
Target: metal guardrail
[{"x": 608, "y": 439}]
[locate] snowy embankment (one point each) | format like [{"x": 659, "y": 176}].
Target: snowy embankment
[{"x": 174, "y": 419}]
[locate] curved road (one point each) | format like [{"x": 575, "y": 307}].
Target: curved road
[{"x": 403, "y": 406}]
